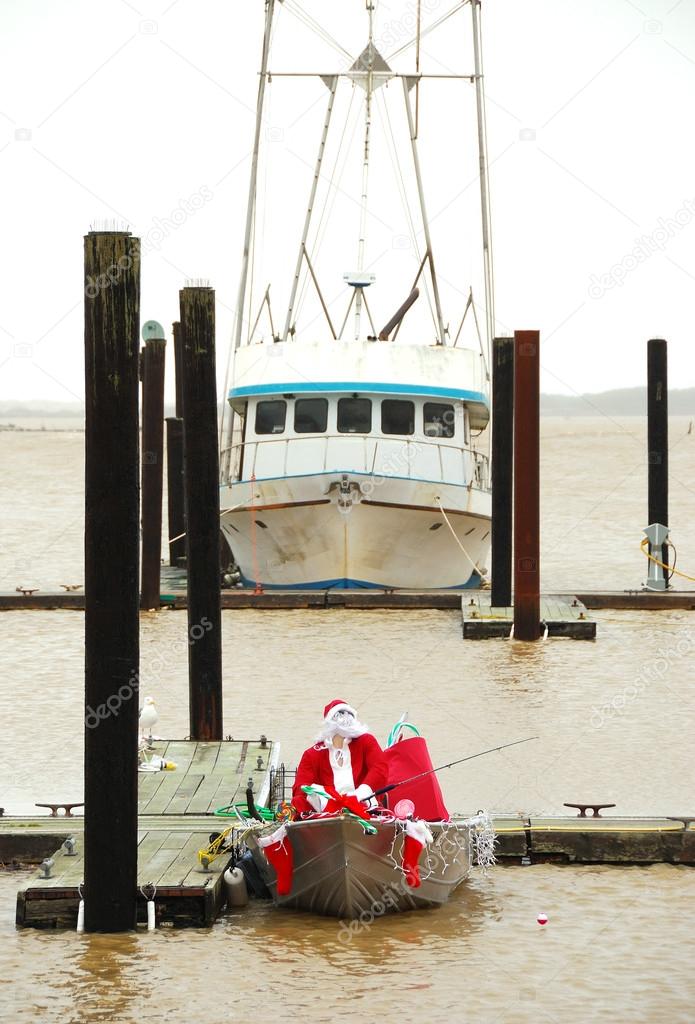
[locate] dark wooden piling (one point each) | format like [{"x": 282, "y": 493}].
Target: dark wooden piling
[
  {"x": 201, "y": 467},
  {"x": 657, "y": 440},
  {"x": 178, "y": 368},
  {"x": 112, "y": 311},
  {"x": 502, "y": 470},
  {"x": 153, "y": 360},
  {"x": 175, "y": 496},
  {"x": 526, "y": 485}
]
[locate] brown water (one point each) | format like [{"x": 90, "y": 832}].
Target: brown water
[
  {"x": 594, "y": 505},
  {"x": 615, "y": 720}
]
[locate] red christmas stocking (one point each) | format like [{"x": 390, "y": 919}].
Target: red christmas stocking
[
  {"x": 279, "y": 854},
  {"x": 417, "y": 835},
  {"x": 412, "y": 848}
]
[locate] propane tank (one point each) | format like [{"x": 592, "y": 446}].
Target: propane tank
[{"x": 235, "y": 888}]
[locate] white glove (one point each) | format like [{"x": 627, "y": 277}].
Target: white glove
[
  {"x": 316, "y": 801},
  {"x": 365, "y": 793}
]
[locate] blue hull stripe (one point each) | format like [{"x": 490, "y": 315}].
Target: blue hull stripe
[
  {"x": 361, "y": 387},
  {"x": 473, "y": 583}
]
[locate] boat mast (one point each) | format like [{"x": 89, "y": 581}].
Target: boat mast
[
  {"x": 227, "y": 423},
  {"x": 251, "y": 205},
  {"x": 484, "y": 182},
  {"x": 369, "y": 85}
]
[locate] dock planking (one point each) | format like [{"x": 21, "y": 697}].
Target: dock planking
[
  {"x": 563, "y": 616},
  {"x": 175, "y": 819}
]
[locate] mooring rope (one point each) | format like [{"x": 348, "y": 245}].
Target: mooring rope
[{"x": 453, "y": 534}]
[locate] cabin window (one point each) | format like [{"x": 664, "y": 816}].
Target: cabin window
[
  {"x": 270, "y": 417},
  {"x": 354, "y": 415},
  {"x": 438, "y": 419},
  {"x": 310, "y": 415},
  {"x": 397, "y": 417}
]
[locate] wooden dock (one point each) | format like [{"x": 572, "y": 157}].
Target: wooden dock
[
  {"x": 175, "y": 821},
  {"x": 560, "y": 616},
  {"x": 173, "y": 596},
  {"x": 186, "y": 894},
  {"x": 615, "y": 840}
]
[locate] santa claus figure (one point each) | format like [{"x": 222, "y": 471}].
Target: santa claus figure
[{"x": 345, "y": 757}]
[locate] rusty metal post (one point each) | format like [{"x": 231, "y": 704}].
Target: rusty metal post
[
  {"x": 153, "y": 358},
  {"x": 527, "y": 593},
  {"x": 201, "y": 467},
  {"x": 111, "y": 543},
  {"x": 502, "y": 470},
  {"x": 657, "y": 441}
]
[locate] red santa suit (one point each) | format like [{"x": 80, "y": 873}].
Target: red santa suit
[{"x": 359, "y": 765}]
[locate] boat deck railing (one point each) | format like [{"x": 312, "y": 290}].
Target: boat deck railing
[{"x": 407, "y": 458}]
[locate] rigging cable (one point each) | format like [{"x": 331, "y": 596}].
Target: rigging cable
[
  {"x": 331, "y": 194},
  {"x": 398, "y": 172},
  {"x": 426, "y": 31},
  {"x": 294, "y": 8}
]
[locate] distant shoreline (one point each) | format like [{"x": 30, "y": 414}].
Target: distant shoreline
[{"x": 618, "y": 402}]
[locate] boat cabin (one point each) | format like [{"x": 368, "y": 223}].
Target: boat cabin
[{"x": 302, "y": 413}]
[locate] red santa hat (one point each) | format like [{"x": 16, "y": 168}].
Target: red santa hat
[{"x": 337, "y": 705}]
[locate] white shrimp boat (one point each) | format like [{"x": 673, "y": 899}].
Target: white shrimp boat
[{"x": 351, "y": 456}]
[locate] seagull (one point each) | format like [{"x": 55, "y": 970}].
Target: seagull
[
  {"x": 71, "y": 586},
  {"x": 26, "y": 591},
  {"x": 148, "y": 717}
]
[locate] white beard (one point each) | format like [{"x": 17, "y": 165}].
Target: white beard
[{"x": 349, "y": 732}]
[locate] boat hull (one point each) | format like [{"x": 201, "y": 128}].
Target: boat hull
[
  {"x": 355, "y": 530},
  {"x": 341, "y": 872}
]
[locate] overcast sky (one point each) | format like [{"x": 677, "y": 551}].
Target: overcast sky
[{"x": 142, "y": 113}]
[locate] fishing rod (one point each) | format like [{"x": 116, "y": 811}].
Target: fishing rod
[{"x": 471, "y": 757}]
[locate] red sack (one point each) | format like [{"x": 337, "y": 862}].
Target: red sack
[{"x": 405, "y": 759}]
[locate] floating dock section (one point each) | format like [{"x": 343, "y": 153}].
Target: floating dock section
[
  {"x": 175, "y": 821},
  {"x": 560, "y": 616}
]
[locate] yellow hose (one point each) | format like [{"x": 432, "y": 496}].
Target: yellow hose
[
  {"x": 679, "y": 827},
  {"x": 653, "y": 558}
]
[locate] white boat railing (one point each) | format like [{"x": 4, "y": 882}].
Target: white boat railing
[{"x": 416, "y": 459}]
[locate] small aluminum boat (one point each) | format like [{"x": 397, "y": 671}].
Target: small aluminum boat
[{"x": 340, "y": 870}]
